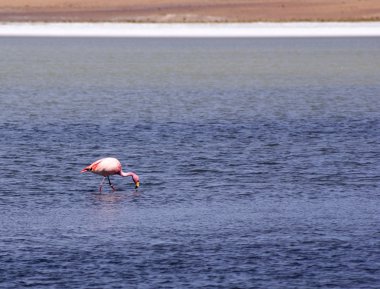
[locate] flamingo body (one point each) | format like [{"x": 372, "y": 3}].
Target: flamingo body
[{"x": 107, "y": 167}]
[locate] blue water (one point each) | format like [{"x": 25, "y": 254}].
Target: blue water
[{"x": 258, "y": 159}]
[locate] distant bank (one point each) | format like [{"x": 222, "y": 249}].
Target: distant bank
[
  {"x": 185, "y": 11},
  {"x": 293, "y": 29}
]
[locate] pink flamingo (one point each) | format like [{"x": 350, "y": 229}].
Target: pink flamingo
[{"x": 107, "y": 167}]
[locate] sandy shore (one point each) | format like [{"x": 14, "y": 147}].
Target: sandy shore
[{"x": 201, "y": 11}]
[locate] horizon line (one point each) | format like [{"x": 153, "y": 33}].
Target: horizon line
[{"x": 188, "y": 30}]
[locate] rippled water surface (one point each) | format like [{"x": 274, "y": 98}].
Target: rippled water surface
[{"x": 258, "y": 158}]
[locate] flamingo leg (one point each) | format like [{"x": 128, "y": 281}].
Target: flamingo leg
[
  {"x": 112, "y": 186},
  {"x": 101, "y": 185}
]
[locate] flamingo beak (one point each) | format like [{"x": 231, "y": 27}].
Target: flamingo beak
[
  {"x": 137, "y": 185},
  {"x": 84, "y": 170}
]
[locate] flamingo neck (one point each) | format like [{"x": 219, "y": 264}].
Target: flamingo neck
[{"x": 128, "y": 174}]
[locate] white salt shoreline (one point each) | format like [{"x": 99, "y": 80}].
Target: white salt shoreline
[{"x": 263, "y": 29}]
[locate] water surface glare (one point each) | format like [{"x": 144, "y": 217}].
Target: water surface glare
[{"x": 258, "y": 159}]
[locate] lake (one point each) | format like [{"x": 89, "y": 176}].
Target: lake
[{"x": 258, "y": 160}]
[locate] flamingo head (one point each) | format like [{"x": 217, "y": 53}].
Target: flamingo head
[{"x": 136, "y": 180}]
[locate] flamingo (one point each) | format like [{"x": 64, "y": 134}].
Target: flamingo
[{"x": 107, "y": 167}]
